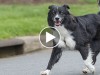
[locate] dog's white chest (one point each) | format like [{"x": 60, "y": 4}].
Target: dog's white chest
[{"x": 66, "y": 38}]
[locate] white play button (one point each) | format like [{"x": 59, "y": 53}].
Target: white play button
[
  {"x": 46, "y": 37},
  {"x": 49, "y": 37}
]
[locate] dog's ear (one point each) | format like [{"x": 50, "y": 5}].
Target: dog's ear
[
  {"x": 66, "y": 6},
  {"x": 51, "y": 6}
]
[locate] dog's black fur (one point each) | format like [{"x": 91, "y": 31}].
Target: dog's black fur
[{"x": 85, "y": 30}]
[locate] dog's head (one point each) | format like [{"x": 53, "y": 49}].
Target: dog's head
[{"x": 57, "y": 14}]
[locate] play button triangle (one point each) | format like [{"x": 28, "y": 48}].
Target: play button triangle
[{"x": 49, "y": 37}]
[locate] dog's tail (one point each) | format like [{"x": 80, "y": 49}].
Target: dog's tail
[{"x": 99, "y": 6}]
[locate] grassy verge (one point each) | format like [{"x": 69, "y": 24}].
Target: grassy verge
[{"x": 21, "y": 20}]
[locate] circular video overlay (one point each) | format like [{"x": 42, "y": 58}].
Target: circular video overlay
[{"x": 48, "y": 35}]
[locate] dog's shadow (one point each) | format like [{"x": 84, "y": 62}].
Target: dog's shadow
[
  {"x": 82, "y": 74},
  {"x": 89, "y": 74}
]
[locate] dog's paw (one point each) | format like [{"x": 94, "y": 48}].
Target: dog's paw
[
  {"x": 86, "y": 70},
  {"x": 92, "y": 69},
  {"x": 46, "y": 72}
]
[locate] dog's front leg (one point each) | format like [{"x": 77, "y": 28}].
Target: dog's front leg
[{"x": 55, "y": 56}]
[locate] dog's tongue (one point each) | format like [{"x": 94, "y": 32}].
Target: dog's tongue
[{"x": 57, "y": 23}]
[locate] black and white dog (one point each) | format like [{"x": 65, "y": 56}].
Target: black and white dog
[{"x": 77, "y": 32}]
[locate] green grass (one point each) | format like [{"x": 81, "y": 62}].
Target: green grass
[
  {"x": 88, "y": 1},
  {"x": 22, "y": 20}
]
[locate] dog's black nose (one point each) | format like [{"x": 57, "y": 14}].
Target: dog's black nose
[{"x": 57, "y": 18}]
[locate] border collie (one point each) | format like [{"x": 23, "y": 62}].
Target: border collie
[{"x": 80, "y": 33}]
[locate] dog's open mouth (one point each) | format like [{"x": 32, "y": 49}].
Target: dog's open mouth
[{"x": 57, "y": 23}]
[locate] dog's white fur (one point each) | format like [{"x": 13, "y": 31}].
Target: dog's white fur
[
  {"x": 46, "y": 72},
  {"x": 65, "y": 36},
  {"x": 88, "y": 62},
  {"x": 86, "y": 70}
]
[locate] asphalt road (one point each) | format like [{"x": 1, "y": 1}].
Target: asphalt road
[{"x": 70, "y": 63}]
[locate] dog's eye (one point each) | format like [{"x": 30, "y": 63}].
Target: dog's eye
[
  {"x": 54, "y": 12},
  {"x": 61, "y": 12}
]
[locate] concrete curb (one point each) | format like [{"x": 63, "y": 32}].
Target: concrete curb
[
  {"x": 19, "y": 45},
  {"x": 31, "y": 43}
]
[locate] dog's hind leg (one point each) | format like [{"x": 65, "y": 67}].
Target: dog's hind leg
[
  {"x": 94, "y": 57},
  {"x": 87, "y": 55},
  {"x": 88, "y": 62},
  {"x": 55, "y": 56},
  {"x": 95, "y": 49},
  {"x": 86, "y": 70}
]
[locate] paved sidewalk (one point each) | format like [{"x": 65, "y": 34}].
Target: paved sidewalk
[{"x": 71, "y": 63}]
